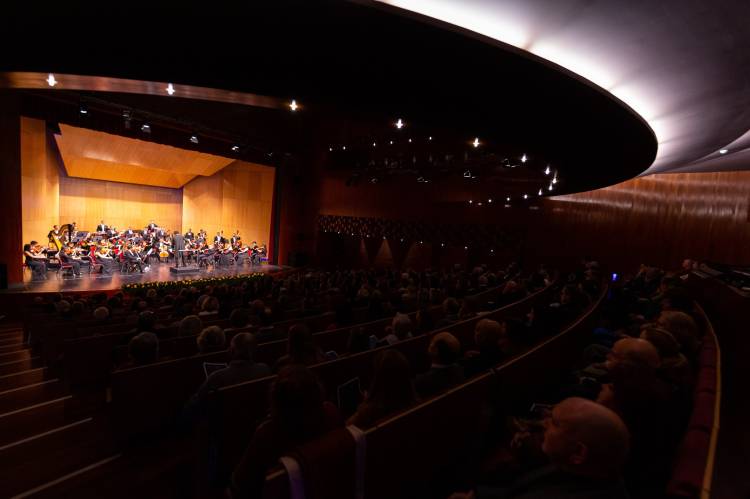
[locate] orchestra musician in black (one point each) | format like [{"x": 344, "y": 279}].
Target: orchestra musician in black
[
  {"x": 102, "y": 227},
  {"x": 178, "y": 246},
  {"x": 219, "y": 239},
  {"x": 66, "y": 257},
  {"x": 189, "y": 236},
  {"x": 133, "y": 259},
  {"x": 35, "y": 261}
]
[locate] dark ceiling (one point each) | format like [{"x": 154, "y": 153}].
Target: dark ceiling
[{"x": 355, "y": 68}]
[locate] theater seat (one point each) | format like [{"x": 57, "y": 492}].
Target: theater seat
[
  {"x": 687, "y": 476},
  {"x": 703, "y": 411},
  {"x": 706, "y": 381}
]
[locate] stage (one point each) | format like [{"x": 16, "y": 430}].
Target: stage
[{"x": 115, "y": 281}]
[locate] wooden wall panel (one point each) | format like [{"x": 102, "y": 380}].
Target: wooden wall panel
[
  {"x": 238, "y": 197},
  {"x": 120, "y": 205},
  {"x": 40, "y": 181},
  {"x": 11, "y": 242}
]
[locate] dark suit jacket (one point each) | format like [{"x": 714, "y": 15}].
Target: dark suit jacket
[
  {"x": 438, "y": 379},
  {"x": 178, "y": 242}
]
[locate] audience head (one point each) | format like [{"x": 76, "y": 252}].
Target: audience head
[
  {"x": 210, "y": 305},
  {"x": 665, "y": 343},
  {"x": 586, "y": 438},
  {"x": 401, "y": 325},
  {"x": 146, "y": 321},
  {"x": 450, "y": 306},
  {"x": 211, "y": 339},
  {"x": 239, "y": 318},
  {"x": 190, "y": 325},
  {"x": 242, "y": 346},
  {"x": 444, "y": 349},
  {"x": 359, "y": 340},
  {"x": 392, "y": 386},
  {"x": 300, "y": 344},
  {"x": 682, "y": 327},
  {"x": 297, "y": 402},
  {"x": 487, "y": 335},
  {"x": 631, "y": 356},
  {"x": 144, "y": 348}
]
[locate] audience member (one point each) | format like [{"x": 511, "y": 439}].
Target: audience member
[
  {"x": 190, "y": 325},
  {"x": 211, "y": 339},
  {"x": 301, "y": 348},
  {"x": 143, "y": 348},
  {"x": 400, "y": 330},
  {"x": 487, "y": 337},
  {"x": 444, "y": 372}
]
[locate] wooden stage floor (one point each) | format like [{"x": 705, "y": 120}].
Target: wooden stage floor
[{"x": 99, "y": 282}]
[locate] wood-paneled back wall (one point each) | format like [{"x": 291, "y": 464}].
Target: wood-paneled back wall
[
  {"x": 238, "y": 197},
  {"x": 87, "y": 202},
  {"x": 40, "y": 181}
]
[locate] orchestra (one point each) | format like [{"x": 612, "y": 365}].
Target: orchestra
[{"x": 102, "y": 250}]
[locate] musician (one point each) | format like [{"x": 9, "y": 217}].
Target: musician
[
  {"x": 205, "y": 256},
  {"x": 151, "y": 225},
  {"x": 219, "y": 239},
  {"x": 102, "y": 227},
  {"x": 35, "y": 261},
  {"x": 189, "y": 236},
  {"x": 133, "y": 258},
  {"x": 66, "y": 257},
  {"x": 104, "y": 259},
  {"x": 241, "y": 255},
  {"x": 128, "y": 232},
  {"x": 236, "y": 237},
  {"x": 73, "y": 232},
  {"x": 178, "y": 245}
]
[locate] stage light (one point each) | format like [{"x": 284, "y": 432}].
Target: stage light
[
  {"x": 293, "y": 106},
  {"x": 330, "y": 149},
  {"x": 51, "y": 80},
  {"x": 479, "y": 203},
  {"x": 476, "y": 142},
  {"x": 471, "y": 201},
  {"x": 194, "y": 139},
  {"x": 391, "y": 142},
  {"x": 235, "y": 148},
  {"x": 550, "y": 187},
  {"x": 146, "y": 128},
  {"x": 524, "y": 159},
  {"x": 466, "y": 247},
  {"x": 83, "y": 109},
  {"x": 723, "y": 151},
  {"x": 420, "y": 242},
  {"x": 400, "y": 124},
  {"x": 343, "y": 148},
  {"x": 547, "y": 170},
  {"x": 442, "y": 245},
  {"x": 170, "y": 89}
]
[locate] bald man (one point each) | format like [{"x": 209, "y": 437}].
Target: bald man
[{"x": 587, "y": 445}]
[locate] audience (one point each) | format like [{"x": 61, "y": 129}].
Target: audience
[
  {"x": 400, "y": 330},
  {"x": 444, "y": 372},
  {"x": 488, "y": 335},
  {"x": 143, "y": 348},
  {"x": 299, "y": 413},
  {"x": 392, "y": 390},
  {"x": 190, "y": 325},
  {"x": 301, "y": 348},
  {"x": 211, "y": 339}
]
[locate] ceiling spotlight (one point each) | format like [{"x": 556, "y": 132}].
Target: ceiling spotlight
[
  {"x": 476, "y": 142},
  {"x": 343, "y": 148},
  {"x": 466, "y": 247},
  {"x": 429, "y": 138},
  {"x": 330, "y": 149},
  {"x": 539, "y": 193},
  {"x": 235, "y": 148},
  {"x": 550, "y": 187},
  {"x": 489, "y": 200},
  {"x": 409, "y": 141},
  {"x": 723, "y": 151},
  {"x": 526, "y": 196},
  {"x": 293, "y": 105},
  {"x": 471, "y": 201},
  {"x": 554, "y": 179},
  {"x": 467, "y": 174},
  {"x": 547, "y": 170},
  {"x": 51, "y": 80},
  {"x": 400, "y": 124},
  {"x": 391, "y": 142},
  {"x": 402, "y": 239},
  {"x": 508, "y": 198},
  {"x": 479, "y": 203},
  {"x": 170, "y": 89},
  {"x": 524, "y": 158},
  {"x": 374, "y": 144},
  {"x": 83, "y": 109},
  {"x": 194, "y": 139},
  {"x": 146, "y": 128},
  {"x": 420, "y": 242}
]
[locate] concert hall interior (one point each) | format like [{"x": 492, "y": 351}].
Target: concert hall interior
[{"x": 457, "y": 249}]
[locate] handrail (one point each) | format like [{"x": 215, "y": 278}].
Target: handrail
[{"x": 711, "y": 458}]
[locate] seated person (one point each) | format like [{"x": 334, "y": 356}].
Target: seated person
[
  {"x": 301, "y": 348},
  {"x": 106, "y": 261},
  {"x": 238, "y": 319},
  {"x": 299, "y": 413},
  {"x": 400, "y": 330},
  {"x": 586, "y": 445},
  {"x": 132, "y": 258},
  {"x": 487, "y": 336},
  {"x": 241, "y": 368},
  {"x": 190, "y": 325},
  {"x": 391, "y": 391},
  {"x": 143, "y": 348},
  {"x": 211, "y": 339},
  {"x": 450, "y": 311},
  {"x": 444, "y": 372},
  {"x": 66, "y": 257},
  {"x": 37, "y": 263}
]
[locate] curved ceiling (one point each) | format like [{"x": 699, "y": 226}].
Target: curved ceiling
[{"x": 683, "y": 65}]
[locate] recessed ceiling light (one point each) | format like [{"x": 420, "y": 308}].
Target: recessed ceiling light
[
  {"x": 476, "y": 142},
  {"x": 146, "y": 128},
  {"x": 83, "y": 109},
  {"x": 508, "y": 198},
  {"x": 170, "y": 89},
  {"x": 723, "y": 151},
  {"x": 51, "y": 80},
  {"x": 293, "y": 105},
  {"x": 429, "y": 138},
  {"x": 523, "y": 158},
  {"x": 526, "y": 196},
  {"x": 374, "y": 144},
  {"x": 489, "y": 200},
  {"x": 539, "y": 193},
  {"x": 546, "y": 172},
  {"x": 235, "y": 148},
  {"x": 400, "y": 124},
  {"x": 194, "y": 139}
]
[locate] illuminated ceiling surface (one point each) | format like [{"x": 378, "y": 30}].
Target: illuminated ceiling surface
[{"x": 683, "y": 65}]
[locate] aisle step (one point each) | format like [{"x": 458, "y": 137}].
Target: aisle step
[
  {"x": 32, "y": 419},
  {"x": 17, "y": 398},
  {"x": 16, "y": 380},
  {"x": 20, "y": 354},
  {"x": 13, "y": 347},
  {"x": 17, "y": 366}
]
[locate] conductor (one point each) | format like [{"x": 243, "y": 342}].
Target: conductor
[{"x": 178, "y": 245}]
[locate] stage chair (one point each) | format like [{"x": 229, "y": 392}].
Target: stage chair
[{"x": 63, "y": 268}]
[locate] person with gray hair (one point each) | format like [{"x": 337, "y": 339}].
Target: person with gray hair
[
  {"x": 143, "y": 348},
  {"x": 101, "y": 313},
  {"x": 190, "y": 325},
  {"x": 399, "y": 330},
  {"x": 587, "y": 446},
  {"x": 211, "y": 339}
]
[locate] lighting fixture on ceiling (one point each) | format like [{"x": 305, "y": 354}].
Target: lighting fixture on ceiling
[
  {"x": 550, "y": 187},
  {"x": 526, "y": 196},
  {"x": 146, "y": 128},
  {"x": 508, "y": 198},
  {"x": 343, "y": 148},
  {"x": 194, "y": 139},
  {"x": 467, "y": 174},
  {"x": 293, "y": 105},
  {"x": 479, "y": 203},
  {"x": 524, "y": 158},
  {"x": 330, "y": 149},
  {"x": 539, "y": 193},
  {"x": 170, "y": 89},
  {"x": 489, "y": 200},
  {"x": 83, "y": 109},
  {"x": 547, "y": 170},
  {"x": 476, "y": 142},
  {"x": 429, "y": 138},
  {"x": 471, "y": 201},
  {"x": 51, "y": 80},
  {"x": 235, "y": 148},
  {"x": 723, "y": 151},
  {"x": 391, "y": 142},
  {"x": 554, "y": 179},
  {"x": 400, "y": 124},
  {"x": 374, "y": 144},
  {"x": 409, "y": 141},
  {"x": 126, "y": 116}
]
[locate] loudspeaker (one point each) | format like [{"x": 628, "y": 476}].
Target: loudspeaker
[{"x": 3, "y": 276}]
